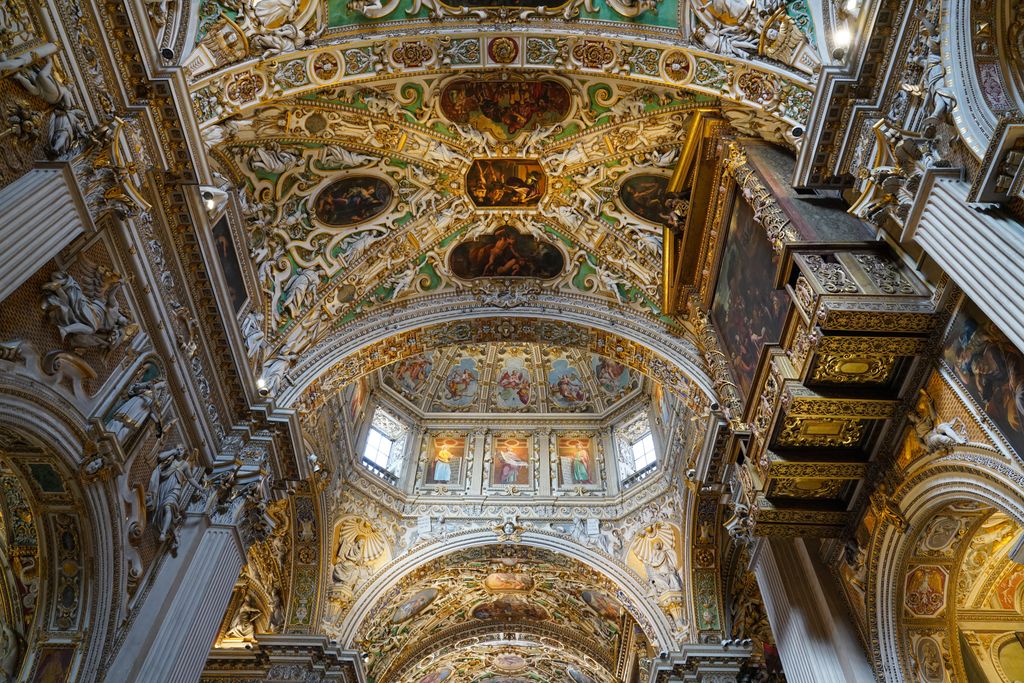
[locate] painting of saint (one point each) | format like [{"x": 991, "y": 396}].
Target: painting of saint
[
  {"x": 356, "y": 397},
  {"x": 613, "y": 377},
  {"x": 576, "y": 465},
  {"x": 511, "y": 461},
  {"x": 444, "y": 466},
  {"x": 461, "y": 384},
  {"x": 436, "y": 676},
  {"x": 605, "y": 606},
  {"x": 506, "y": 253},
  {"x": 749, "y": 313},
  {"x": 991, "y": 368},
  {"x": 53, "y": 665},
  {"x": 229, "y": 264},
  {"x": 513, "y": 385},
  {"x": 414, "y": 605},
  {"x": 566, "y": 388},
  {"x": 505, "y": 183},
  {"x": 411, "y": 374},
  {"x": 508, "y": 582},
  {"x": 352, "y": 199},
  {"x": 505, "y": 108},
  {"x": 509, "y": 607},
  {"x": 644, "y": 195},
  {"x": 509, "y": 662}
]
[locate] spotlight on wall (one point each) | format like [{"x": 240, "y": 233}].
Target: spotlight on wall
[
  {"x": 797, "y": 131},
  {"x": 841, "y": 39},
  {"x": 209, "y": 201},
  {"x": 167, "y": 53},
  {"x": 851, "y": 6},
  {"x": 261, "y": 387}
]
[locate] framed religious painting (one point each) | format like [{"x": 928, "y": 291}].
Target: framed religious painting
[
  {"x": 510, "y": 460},
  {"x": 52, "y": 665},
  {"x": 576, "y": 461},
  {"x": 445, "y": 461}
]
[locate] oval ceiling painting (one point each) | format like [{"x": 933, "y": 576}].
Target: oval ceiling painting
[
  {"x": 644, "y": 195},
  {"x": 414, "y": 605},
  {"x": 505, "y": 108},
  {"x": 352, "y": 199},
  {"x": 506, "y": 253}
]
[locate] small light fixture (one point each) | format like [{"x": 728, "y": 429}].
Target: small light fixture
[
  {"x": 851, "y": 6},
  {"x": 261, "y": 386},
  {"x": 842, "y": 38}
]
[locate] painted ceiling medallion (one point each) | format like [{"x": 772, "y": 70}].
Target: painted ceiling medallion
[
  {"x": 505, "y": 108},
  {"x": 506, "y": 253},
  {"x": 505, "y": 183},
  {"x": 352, "y": 199}
]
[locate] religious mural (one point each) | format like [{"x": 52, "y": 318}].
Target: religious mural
[
  {"x": 510, "y": 607},
  {"x": 991, "y": 369},
  {"x": 410, "y": 375},
  {"x": 566, "y": 389},
  {"x": 352, "y": 199},
  {"x": 446, "y": 460},
  {"x": 506, "y": 253},
  {"x": 510, "y": 461},
  {"x": 505, "y": 183},
  {"x": 505, "y": 108},
  {"x": 461, "y": 384},
  {"x": 644, "y": 195},
  {"x": 746, "y": 310},
  {"x": 414, "y": 605},
  {"x": 576, "y": 466},
  {"x": 53, "y": 665},
  {"x": 512, "y": 385},
  {"x": 613, "y": 378}
]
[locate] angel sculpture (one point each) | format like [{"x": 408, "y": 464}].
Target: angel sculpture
[
  {"x": 87, "y": 314},
  {"x": 171, "y": 487},
  {"x": 936, "y": 435}
]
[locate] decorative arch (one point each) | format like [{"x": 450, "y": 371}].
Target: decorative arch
[
  {"x": 654, "y": 622},
  {"x": 969, "y": 474},
  {"x": 76, "y": 603},
  {"x": 665, "y": 355}
]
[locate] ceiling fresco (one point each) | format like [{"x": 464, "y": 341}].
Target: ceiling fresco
[
  {"x": 358, "y": 198},
  {"x": 512, "y": 378},
  {"x": 565, "y": 615}
]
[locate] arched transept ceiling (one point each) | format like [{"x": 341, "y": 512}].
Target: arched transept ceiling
[{"x": 540, "y": 609}]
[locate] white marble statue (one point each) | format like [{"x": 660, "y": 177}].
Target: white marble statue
[
  {"x": 87, "y": 314},
  {"x": 144, "y": 401},
  {"x": 171, "y": 486}
]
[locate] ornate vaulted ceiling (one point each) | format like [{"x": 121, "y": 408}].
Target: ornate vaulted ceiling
[
  {"x": 477, "y": 205},
  {"x": 501, "y": 613}
]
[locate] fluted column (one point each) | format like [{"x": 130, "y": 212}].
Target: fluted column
[
  {"x": 811, "y": 624},
  {"x": 39, "y": 215},
  {"x": 173, "y": 629}
]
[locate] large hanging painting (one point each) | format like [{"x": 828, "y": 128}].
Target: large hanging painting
[
  {"x": 575, "y": 461},
  {"x": 229, "y": 263},
  {"x": 991, "y": 368},
  {"x": 410, "y": 375},
  {"x": 566, "y": 389},
  {"x": 510, "y": 462},
  {"x": 505, "y": 183},
  {"x": 461, "y": 384},
  {"x": 506, "y": 253},
  {"x": 512, "y": 386},
  {"x": 644, "y": 195},
  {"x": 505, "y": 108},
  {"x": 446, "y": 460},
  {"x": 749, "y": 313},
  {"x": 52, "y": 665},
  {"x": 352, "y": 199}
]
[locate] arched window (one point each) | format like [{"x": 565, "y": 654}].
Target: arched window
[{"x": 635, "y": 444}]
